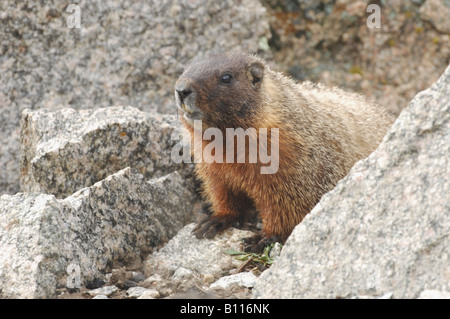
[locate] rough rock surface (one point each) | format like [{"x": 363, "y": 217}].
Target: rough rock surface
[
  {"x": 244, "y": 279},
  {"x": 329, "y": 41},
  {"x": 115, "y": 222},
  {"x": 386, "y": 226},
  {"x": 124, "y": 53},
  {"x": 65, "y": 150},
  {"x": 434, "y": 294},
  {"x": 202, "y": 257},
  {"x": 189, "y": 265},
  {"x": 437, "y": 13}
]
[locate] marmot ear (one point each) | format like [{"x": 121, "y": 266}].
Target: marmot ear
[{"x": 256, "y": 73}]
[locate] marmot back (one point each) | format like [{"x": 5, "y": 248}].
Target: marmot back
[{"x": 322, "y": 133}]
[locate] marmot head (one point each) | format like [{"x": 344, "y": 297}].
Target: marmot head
[{"x": 222, "y": 91}]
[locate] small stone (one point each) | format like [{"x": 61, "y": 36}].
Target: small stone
[
  {"x": 182, "y": 273},
  {"x": 165, "y": 291},
  {"x": 107, "y": 291},
  {"x": 208, "y": 278},
  {"x": 96, "y": 283},
  {"x": 387, "y": 295},
  {"x": 152, "y": 280},
  {"x": 149, "y": 294},
  {"x": 136, "y": 292},
  {"x": 275, "y": 251},
  {"x": 434, "y": 294},
  {"x": 129, "y": 284},
  {"x": 244, "y": 279},
  {"x": 138, "y": 276}
]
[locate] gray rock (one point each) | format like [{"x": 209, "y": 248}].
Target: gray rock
[
  {"x": 48, "y": 243},
  {"x": 243, "y": 279},
  {"x": 275, "y": 251},
  {"x": 436, "y": 12},
  {"x": 138, "y": 276},
  {"x": 434, "y": 294},
  {"x": 386, "y": 226},
  {"x": 152, "y": 280},
  {"x": 388, "y": 295},
  {"x": 182, "y": 273},
  {"x": 124, "y": 53},
  {"x": 63, "y": 151},
  {"x": 136, "y": 292},
  {"x": 149, "y": 294},
  {"x": 103, "y": 291},
  {"x": 202, "y": 257},
  {"x": 186, "y": 266}
]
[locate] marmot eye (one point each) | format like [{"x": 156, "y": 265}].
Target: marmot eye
[{"x": 226, "y": 78}]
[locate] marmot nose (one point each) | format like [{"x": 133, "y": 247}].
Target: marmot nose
[{"x": 183, "y": 92}]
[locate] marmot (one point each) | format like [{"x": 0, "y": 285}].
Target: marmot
[{"x": 322, "y": 133}]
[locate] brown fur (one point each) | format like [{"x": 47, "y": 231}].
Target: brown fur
[{"x": 322, "y": 133}]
